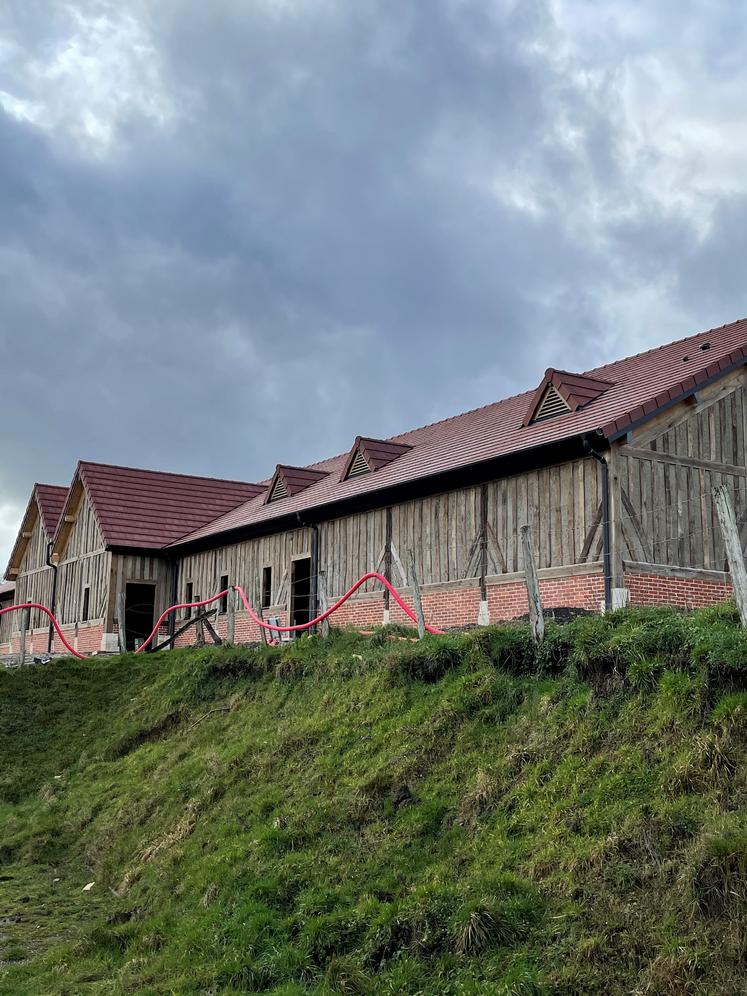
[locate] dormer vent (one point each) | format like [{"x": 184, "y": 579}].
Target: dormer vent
[
  {"x": 551, "y": 405},
  {"x": 561, "y": 392},
  {"x": 278, "y": 490},
  {"x": 368, "y": 455},
  {"x": 289, "y": 481},
  {"x": 359, "y": 465}
]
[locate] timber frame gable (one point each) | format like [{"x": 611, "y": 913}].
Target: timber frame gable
[
  {"x": 37, "y": 530},
  {"x": 79, "y": 531}
]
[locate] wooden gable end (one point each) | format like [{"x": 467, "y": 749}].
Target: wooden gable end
[
  {"x": 78, "y": 533},
  {"x": 35, "y": 552}
]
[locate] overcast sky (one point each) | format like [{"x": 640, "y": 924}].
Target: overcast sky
[{"x": 240, "y": 232}]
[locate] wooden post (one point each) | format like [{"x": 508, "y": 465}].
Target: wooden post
[
  {"x": 323, "y": 604},
  {"x": 536, "y": 619},
  {"x": 416, "y": 597},
  {"x": 121, "y": 622},
  {"x": 730, "y": 532},
  {"x": 231, "y": 617},
  {"x": 259, "y": 611},
  {"x": 200, "y": 629},
  {"x": 388, "y": 561},
  {"x": 24, "y": 627}
]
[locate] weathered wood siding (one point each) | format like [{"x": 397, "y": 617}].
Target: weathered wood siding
[
  {"x": 34, "y": 581},
  {"x": 243, "y": 563},
  {"x": 7, "y": 623},
  {"x": 35, "y": 554},
  {"x": 349, "y": 547},
  {"x": 665, "y": 478},
  {"x": 561, "y": 503},
  {"x": 85, "y": 563},
  {"x": 147, "y": 570},
  {"x": 36, "y": 586}
]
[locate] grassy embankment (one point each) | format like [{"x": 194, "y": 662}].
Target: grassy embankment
[{"x": 359, "y": 815}]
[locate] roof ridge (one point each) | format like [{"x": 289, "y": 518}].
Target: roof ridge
[
  {"x": 164, "y": 473},
  {"x": 530, "y": 392},
  {"x": 584, "y": 373}
]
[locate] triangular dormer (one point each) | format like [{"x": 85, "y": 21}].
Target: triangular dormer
[
  {"x": 369, "y": 454},
  {"x": 288, "y": 481},
  {"x": 551, "y": 404},
  {"x": 561, "y": 392}
]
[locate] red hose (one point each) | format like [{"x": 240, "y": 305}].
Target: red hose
[
  {"x": 372, "y": 575},
  {"x": 35, "y": 605}
]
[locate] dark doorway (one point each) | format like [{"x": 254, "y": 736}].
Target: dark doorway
[
  {"x": 300, "y": 591},
  {"x": 140, "y": 602}
]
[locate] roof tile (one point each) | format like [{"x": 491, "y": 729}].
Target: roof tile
[{"x": 635, "y": 385}]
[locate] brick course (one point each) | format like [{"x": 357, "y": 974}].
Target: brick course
[
  {"x": 685, "y": 593},
  {"x": 445, "y": 607}
]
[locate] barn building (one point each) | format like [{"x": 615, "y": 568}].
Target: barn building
[{"x": 613, "y": 468}]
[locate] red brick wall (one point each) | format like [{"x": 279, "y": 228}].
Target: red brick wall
[
  {"x": 445, "y": 608},
  {"x": 85, "y": 638},
  {"x": 686, "y": 593}
]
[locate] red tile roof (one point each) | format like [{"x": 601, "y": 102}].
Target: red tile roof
[
  {"x": 148, "y": 509},
  {"x": 51, "y": 500},
  {"x": 48, "y": 500},
  {"x": 639, "y": 386}
]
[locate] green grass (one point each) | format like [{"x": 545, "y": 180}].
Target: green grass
[{"x": 368, "y": 815}]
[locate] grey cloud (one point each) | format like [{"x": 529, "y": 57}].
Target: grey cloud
[{"x": 357, "y": 218}]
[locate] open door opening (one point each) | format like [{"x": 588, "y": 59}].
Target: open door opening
[
  {"x": 140, "y": 603},
  {"x": 300, "y": 608}
]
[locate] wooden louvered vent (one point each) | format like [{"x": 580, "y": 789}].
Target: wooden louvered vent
[
  {"x": 552, "y": 404},
  {"x": 359, "y": 466},
  {"x": 279, "y": 490}
]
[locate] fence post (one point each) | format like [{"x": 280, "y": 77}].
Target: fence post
[
  {"x": 231, "y": 618},
  {"x": 416, "y": 596},
  {"x": 536, "y": 618},
  {"x": 260, "y": 612},
  {"x": 728, "y": 521},
  {"x": 323, "y": 604},
  {"x": 199, "y": 627},
  {"x": 24, "y": 627},
  {"x": 121, "y": 634}
]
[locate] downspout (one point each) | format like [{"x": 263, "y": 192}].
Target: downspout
[
  {"x": 53, "y": 598},
  {"x": 606, "y": 551},
  {"x": 314, "y": 593}
]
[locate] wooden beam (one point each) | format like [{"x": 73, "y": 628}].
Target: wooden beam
[
  {"x": 259, "y": 611},
  {"x": 324, "y": 604},
  {"x": 728, "y": 522},
  {"x": 231, "y": 618},
  {"x": 202, "y": 614},
  {"x": 398, "y": 562},
  {"x": 204, "y": 621},
  {"x": 24, "y": 627},
  {"x": 416, "y": 597},
  {"x": 121, "y": 622},
  {"x": 536, "y": 618},
  {"x": 199, "y": 628},
  {"x": 684, "y": 461}
]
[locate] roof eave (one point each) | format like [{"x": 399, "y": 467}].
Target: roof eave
[
  {"x": 668, "y": 399},
  {"x": 569, "y": 447}
]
